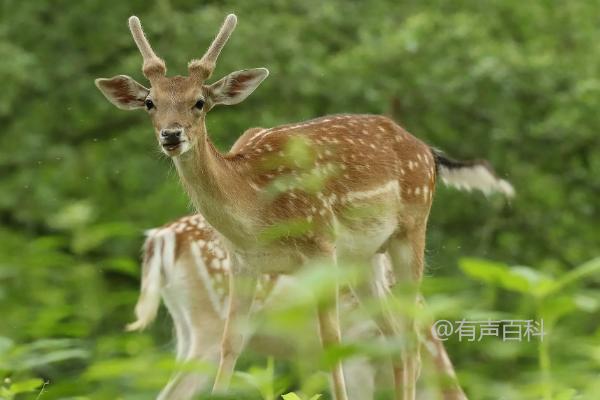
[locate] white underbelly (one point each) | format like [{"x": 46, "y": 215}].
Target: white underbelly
[
  {"x": 353, "y": 242},
  {"x": 368, "y": 222}
]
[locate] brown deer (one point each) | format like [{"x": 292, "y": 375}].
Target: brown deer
[
  {"x": 331, "y": 191},
  {"x": 185, "y": 264}
]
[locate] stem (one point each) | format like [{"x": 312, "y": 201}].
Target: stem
[{"x": 544, "y": 357}]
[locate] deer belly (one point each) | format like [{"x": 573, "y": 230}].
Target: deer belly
[{"x": 363, "y": 241}]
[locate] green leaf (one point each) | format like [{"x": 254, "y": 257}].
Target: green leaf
[
  {"x": 483, "y": 270},
  {"x": 261, "y": 379},
  {"x": 291, "y": 396},
  {"x": 589, "y": 268},
  {"x": 294, "y": 396},
  {"x": 6, "y": 394},
  {"x": 555, "y": 307},
  {"x": 27, "y": 385},
  {"x": 34, "y": 361},
  {"x": 520, "y": 279}
]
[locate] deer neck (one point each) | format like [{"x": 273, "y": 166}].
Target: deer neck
[{"x": 217, "y": 188}]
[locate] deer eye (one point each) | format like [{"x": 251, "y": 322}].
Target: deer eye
[
  {"x": 149, "y": 104},
  {"x": 199, "y": 104}
]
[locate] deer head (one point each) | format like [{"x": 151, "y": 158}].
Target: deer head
[{"x": 178, "y": 105}]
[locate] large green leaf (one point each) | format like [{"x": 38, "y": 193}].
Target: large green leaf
[{"x": 520, "y": 279}]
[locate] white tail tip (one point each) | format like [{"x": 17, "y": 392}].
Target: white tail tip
[{"x": 475, "y": 177}]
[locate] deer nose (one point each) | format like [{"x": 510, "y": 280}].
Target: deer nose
[{"x": 170, "y": 136}]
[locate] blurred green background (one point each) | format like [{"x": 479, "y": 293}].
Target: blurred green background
[{"x": 516, "y": 82}]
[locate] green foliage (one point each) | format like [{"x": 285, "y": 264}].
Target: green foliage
[
  {"x": 515, "y": 82},
  {"x": 11, "y": 389},
  {"x": 294, "y": 396}
]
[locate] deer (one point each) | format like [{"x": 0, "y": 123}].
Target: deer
[
  {"x": 185, "y": 264},
  {"x": 323, "y": 193}
]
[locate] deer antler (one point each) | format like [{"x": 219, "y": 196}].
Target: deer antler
[
  {"x": 153, "y": 66},
  {"x": 204, "y": 67}
]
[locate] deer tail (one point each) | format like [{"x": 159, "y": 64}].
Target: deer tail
[
  {"x": 470, "y": 175},
  {"x": 158, "y": 251}
]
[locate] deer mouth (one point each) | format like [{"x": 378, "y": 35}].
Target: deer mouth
[
  {"x": 171, "y": 146},
  {"x": 173, "y": 149}
]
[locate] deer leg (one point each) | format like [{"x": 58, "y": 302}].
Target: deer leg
[
  {"x": 361, "y": 378},
  {"x": 173, "y": 389},
  {"x": 204, "y": 348},
  {"x": 377, "y": 287},
  {"x": 329, "y": 327},
  {"x": 187, "y": 384},
  {"x": 435, "y": 349},
  {"x": 433, "y": 346},
  {"x": 360, "y": 371},
  {"x": 184, "y": 338},
  {"x": 329, "y": 330},
  {"x": 392, "y": 327},
  {"x": 242, "y": 285},
  {"x": 407, "y": 252}
]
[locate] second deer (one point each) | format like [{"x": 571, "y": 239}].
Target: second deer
[{"x": 185, "y": 264}]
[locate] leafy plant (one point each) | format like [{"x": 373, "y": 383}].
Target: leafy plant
[{"x": 549, "y": 297}]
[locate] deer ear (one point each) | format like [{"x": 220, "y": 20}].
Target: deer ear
[
  {"x": 235, "y": 87},
  {"x": 123, "y": 91}
]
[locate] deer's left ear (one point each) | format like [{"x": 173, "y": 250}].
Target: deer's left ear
[
  {"x": 235, "y": 87},
  {"x": 123, "y": 91}
]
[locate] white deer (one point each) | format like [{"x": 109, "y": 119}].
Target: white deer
[
  {"x": 331, "y": 191},
  {"x": 185, "y": 264}
]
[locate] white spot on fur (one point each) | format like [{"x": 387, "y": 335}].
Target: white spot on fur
[
  {"x": 219, "y": 252},
  {"x": 254, "y": 186},
  {"x": 388, "y": 187}
]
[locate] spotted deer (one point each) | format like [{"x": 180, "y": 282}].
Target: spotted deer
[
  {"x": 332, "y": 191},
  {"x": 186, "y": 264}
]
